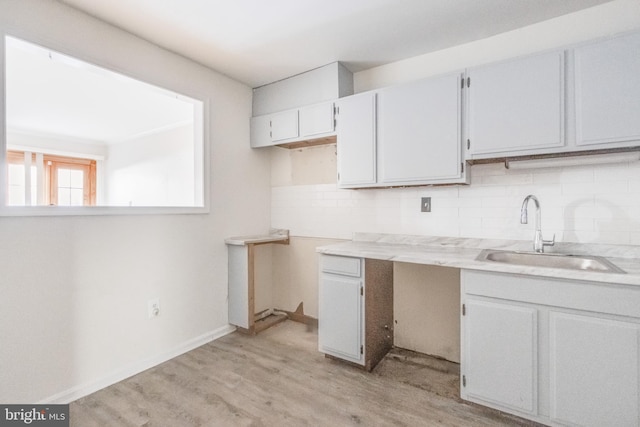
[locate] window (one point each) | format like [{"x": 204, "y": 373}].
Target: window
[
  {"x": 18, "y": 191},
  {"x": 92, "y": 137},
  {"x": 67, "y": 181}
]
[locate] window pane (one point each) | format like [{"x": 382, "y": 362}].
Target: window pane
[
  {"x": 70, "y": 187},
  {"x": 64, "y": 178},
  {"x": 76, "y": 197},
  {"x": 16, "y": 188},
  {"x": 16, "y": 175},
  {"x": 16, "y": 196},
  {"x": 64, "y": 196},
  {"x": 77, "y": 179}
]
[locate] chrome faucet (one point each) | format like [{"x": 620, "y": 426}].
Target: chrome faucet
[{"x": 538, "y": 242}]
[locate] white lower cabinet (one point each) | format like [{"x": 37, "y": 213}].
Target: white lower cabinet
[
  {"x": 355, "y": 309},
  {"x": 560, "y": 352},
  {"x": 500, "y": 351},
  {"x": 593, "y": 370},
  {"x": 341, "y": 317},
  {"x": 340, "y": 308}
]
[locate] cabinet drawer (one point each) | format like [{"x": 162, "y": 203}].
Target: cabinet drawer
[{"x": 342, "y": 265}]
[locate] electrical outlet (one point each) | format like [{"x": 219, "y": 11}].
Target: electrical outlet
[
  {"x": 425, "y": 205},
  {"x": 153, "y": 308}
]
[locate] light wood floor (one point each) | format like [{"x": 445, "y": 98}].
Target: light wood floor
[{"x": 279, "y": 378}]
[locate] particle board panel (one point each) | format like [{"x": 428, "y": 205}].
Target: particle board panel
[{"x": 378, "y": 310}]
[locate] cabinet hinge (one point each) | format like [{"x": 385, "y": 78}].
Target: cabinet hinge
[
  {"x": 361, "y": 290},
  {"x": 464, "y": 381},
  {"x": 464, "y": 310},
  {"x": 468, "y": 144},
  {"x": 468, "y": 81},
  {"x": 462, "y": 167},
  {"x": 462, "y": 83},
  {"x": 361, "y": 349}
]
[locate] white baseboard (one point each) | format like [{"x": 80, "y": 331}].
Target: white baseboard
[{"x": 76, "y": 392}]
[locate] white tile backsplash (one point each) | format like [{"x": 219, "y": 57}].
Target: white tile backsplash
[{"x": 595, "y": 204}]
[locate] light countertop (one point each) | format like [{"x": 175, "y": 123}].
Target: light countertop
[
  {"x": 274, "y": 236},
  {"x": 462, "y": 253}
]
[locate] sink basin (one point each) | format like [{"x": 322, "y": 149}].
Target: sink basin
[{"x": 533, "y": 259}]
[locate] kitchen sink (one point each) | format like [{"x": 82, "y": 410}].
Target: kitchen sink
[{"x": 533, "y": 259}]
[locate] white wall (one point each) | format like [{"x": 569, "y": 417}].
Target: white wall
[
  {"x": 74, "y": 290},
  {"x": 598, "y": 204},
  {"x": 152, "y": 170},
  {"x": 580, "y": 204},
  {"x": 599, "y": 21}
]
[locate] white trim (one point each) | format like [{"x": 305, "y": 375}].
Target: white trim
[
  {"x": 54, "y": 152},
  {"x": 76, "y": 392},
  {"x": 49, "y": 135}
]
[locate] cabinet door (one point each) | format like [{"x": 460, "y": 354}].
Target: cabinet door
[
  {"x": 419, "y": 132},
  {"x": 340, "y": 317},
  {"x": 517, "y": 105},
  {"x": 284, "y": 125},
  {"x": 594, "y": 371},
  {"x": 261, "y": 131},
  {"x": 500, "y": 354},
  {"x": 608, "y": 91},
  {"x": 316, "y": 119},
  {"x": 356, "y": 140}
]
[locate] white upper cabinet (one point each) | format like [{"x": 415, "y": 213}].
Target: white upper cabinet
[
  {"x": 316, "y": 119},
  {"x": 261, "y": 131},
  {"x": 284, "y": 125},
  {"x": 419, "y": 132},
  {"x": 291, "y": 126},
  {"x": 517, "y": 105},
  {"x": 607, "y": 85},
  {"x": 356, "y": 129}
]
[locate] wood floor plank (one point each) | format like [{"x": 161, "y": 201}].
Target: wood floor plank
[{"x": 278, "y": 378}]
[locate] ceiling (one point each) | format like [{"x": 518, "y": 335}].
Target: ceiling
[{"x": 259, "y": 42}]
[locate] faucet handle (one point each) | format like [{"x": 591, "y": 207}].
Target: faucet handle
[{"x": 549, "y": 242}]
